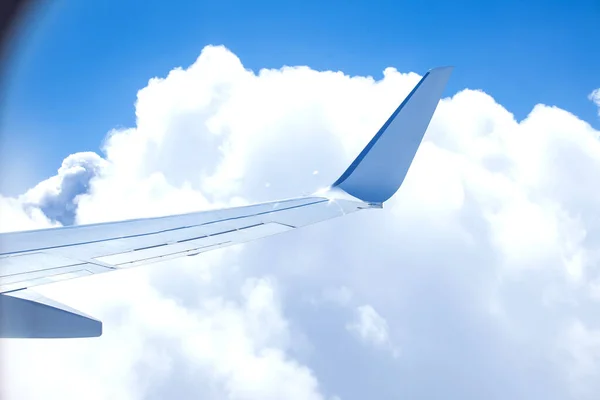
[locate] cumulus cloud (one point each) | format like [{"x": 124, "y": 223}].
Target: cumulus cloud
[
  {"x": 16, "y": 216},
  {"x": 52, "y": 202},
  {"x": 582, "y": 345},
  {"x": 340, "y": 295},
  {"x": 595, "y": 97},
  {"x": 57, "y": 196},
  {"x": 230, "y": 346},
  {"x": 372, "y": 328},
  {"x": 487, "y": 258}
]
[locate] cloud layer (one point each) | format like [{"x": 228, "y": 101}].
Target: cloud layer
[{"x": 479, "y": 279}]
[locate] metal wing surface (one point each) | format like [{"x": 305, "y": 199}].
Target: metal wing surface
[
  {"x": 39, "y": 257},
  {"x": 32, "y": 258}
]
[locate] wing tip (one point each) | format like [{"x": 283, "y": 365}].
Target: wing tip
[
  {"x": 382, "y": 173},
  {"x": 442, "y": 68}
]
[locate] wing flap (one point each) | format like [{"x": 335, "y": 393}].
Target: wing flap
[
  {"x": 118, "y": 245},
  {"x": 26, "y": 314},
  {"x": 19, "y": 281},
  {"x": 99, "y": 250},
  {"x": 193, "y": 245},
  {"x": 23, "y": 263}
]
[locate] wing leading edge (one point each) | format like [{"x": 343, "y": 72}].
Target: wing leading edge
[{"x": 32, "y": 258}]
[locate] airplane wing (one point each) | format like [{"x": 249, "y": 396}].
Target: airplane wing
[{"x": 31, "y": 258}]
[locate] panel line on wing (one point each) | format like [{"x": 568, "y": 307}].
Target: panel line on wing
[
  {"x": 195, "y": 249},
  {"x": 193, "y": 238},
  {"x": 220, "y": 233},
  {"x": 150, "y": 247},
  {"x": 11, "y": 282},
  {"x": 288, "y": 225},
  {"x": 193, "y": 245},
  {"x": 42, "y": 270}
]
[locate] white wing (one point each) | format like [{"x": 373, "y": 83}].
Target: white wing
[{"x": 32, "y": 258}]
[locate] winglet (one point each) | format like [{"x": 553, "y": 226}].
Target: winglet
[{"x": 379, "y": 170}]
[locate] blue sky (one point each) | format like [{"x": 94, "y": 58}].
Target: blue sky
[{"x": 77, "y": 66}]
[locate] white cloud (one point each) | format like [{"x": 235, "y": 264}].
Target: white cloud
[
  {"x": 57, "y": 197},
  {"x": 487, "y": 257},
  {"x": 582, "y": 351},
  {"x": 52, "y": 202},
  {"x": 16, "y": 216},
  {"x": 340, "y": 295},
  {"x": 595, "y": 97},
  {"x": 228, "y": 346},
  {"x": 372, "y": 328}
]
